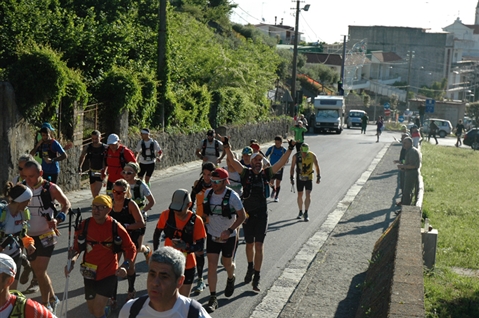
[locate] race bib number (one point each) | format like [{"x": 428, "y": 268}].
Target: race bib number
[
  {"x": 48, "y": 239},
  {"x": 88, "y": 270}
]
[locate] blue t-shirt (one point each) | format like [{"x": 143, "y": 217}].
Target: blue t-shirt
[
  {"x": 51, "y": 150},
  {"x": 275, "y": 154}
]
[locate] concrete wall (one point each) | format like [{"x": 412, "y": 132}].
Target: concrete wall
[{"x": 180, "y": 148}]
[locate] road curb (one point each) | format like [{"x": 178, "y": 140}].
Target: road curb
[{"x": 278, "y": 295}]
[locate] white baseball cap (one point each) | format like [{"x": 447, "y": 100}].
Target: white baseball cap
[
  {"x": 7, "y": 265},
  {"x": 113, "y": 139}
]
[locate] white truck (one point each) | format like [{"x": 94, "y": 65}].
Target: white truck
[{"x": 329, "y": 113}]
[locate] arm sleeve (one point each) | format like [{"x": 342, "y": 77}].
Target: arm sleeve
[
  {"x": 235, "y": 201},
  {"x": 129, "y": 156},
  {"x": 58, "y": 148},
  {"x": 268, "y": 152}
]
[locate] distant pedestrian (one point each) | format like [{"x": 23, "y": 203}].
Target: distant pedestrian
[
  {"x": 416, "y": 136},
  {"x": 432, "y": 131},
  {"x": 379, "y": 127},
  {"x": 364, "y": 123},
  {"x": 411, "y": 165},
  {"x": 147, "y": 152},
  {"x": 275, "y": 153},
  {"x": 459, "y": 131},
  {"x": 298, "y": 131}
]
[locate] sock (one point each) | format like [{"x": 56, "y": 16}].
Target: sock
[
  {"x": 131, "y": 282},
  {"x": 277, "y": 191},
  {"x": 300, "y": 211},
  {"x": 213, "y": 294},
  {"x": 250, "y": 265},
  {"x": 305, "y": 211},
  {"x": 256, "y": 275},
  {"x": 200, "y": 264}
]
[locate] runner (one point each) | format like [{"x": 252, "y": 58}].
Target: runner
[
  {"x": 43, "y": 227},
  {"x": 147, "y": 152},
  {"x": 255, "y": 182},
  {"x": 128, "y": 214},
  {"x": 51, "y": 153},
  {"x": 116, "y": 157},
  {"x": 141, "y": 194},
  {"x": 95, "y": 154},
  {"x": 165, "y": 278},
  {"x": 246, "y": 156},
  {"x": 14, "y": 217},
  {"x": 226, "y": 213},
  {"x": 210, "y": 148},
  {"x": 14, "y": 304},
  {"x": 303, "y": 164},
  {"x": 197, "y": 195},
  {"x": 184, "y": 231},
  {"x": 100, "y": 237},
  {"x": 299, "y": 130},
  {"x": 275, "y": 153}
]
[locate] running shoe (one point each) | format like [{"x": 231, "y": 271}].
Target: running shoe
[
  {"x": 300, "y": 215},
  {"x": 200, "y": 286},
  {"x": 33, "y": 287},
  {"x": 249, "y": 276},
  {"x": 131, "y": 295},
  {"x": 276, "y": 200},
  {"x": 306, "y": 217},
  {"x": 54, "y": 304},
  {"x": 230, "y": 286},
  {"x": 256, "y": 284},
  {"x": 147, "y": 253},
  {"x": 212, "y": 304},
  {"x": 25, "y": 274}
]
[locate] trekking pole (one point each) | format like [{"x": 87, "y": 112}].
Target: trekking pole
[{"x": 64, "y": 306}]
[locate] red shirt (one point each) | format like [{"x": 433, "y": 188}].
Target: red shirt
[
  {"x": 198, "y": 233},
  {"x": 101, "y": 255},
  {"x": 114, "y": 164}
]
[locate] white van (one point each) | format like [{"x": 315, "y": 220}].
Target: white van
[{"x": 354, "y": 118}]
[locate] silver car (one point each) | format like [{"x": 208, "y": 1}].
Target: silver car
[{"x": 444, "y": 127}]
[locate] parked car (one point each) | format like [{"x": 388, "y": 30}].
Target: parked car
[
  {"x": 468, "y": 123},
  {"x": 354, "y": 118},
  {"x": 444, "y": 127},
  {"x": 471, "y": 138}
]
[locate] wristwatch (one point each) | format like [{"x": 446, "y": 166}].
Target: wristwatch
[{"x": 126, "y": 265}]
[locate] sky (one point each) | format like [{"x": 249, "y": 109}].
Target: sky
[{"x": 328, "y": 21}]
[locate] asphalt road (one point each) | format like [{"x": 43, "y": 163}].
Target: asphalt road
[{"x": 342, "y": 158}]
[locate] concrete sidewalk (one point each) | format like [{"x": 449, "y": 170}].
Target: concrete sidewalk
[{"x": 331, "y": 285}]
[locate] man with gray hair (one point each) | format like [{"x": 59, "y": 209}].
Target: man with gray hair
[
  {"x": 165, "y": 277},
  {"x": 411, "y": 165}
]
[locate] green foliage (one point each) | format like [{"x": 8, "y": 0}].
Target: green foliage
[
  {"x": 39, "y": 78},
  {"x": 436, "y": 91},
  {"x": 143, "y": 116},
  {"x": 233, "y": 105},
  {"x": 191, "y": 106},
  {"x": 473, "y": 111},
  {"x": 320, "y": 72},
  {"x": 366, "y": 99},
  {"x": 120, "y": 91},
  {"x": 76, "y": 93}
]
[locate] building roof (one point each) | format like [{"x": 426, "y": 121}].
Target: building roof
[
  {"x": 277, "y": 26},
  {"x": 387, "y": 57},
  {"x": 473, "y": 27},
  {"x": 324, "y": 58}
]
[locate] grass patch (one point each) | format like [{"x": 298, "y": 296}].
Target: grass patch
[{"x": 450, "y": 202}]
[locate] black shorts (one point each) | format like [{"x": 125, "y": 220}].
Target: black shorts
[
  {"x": 298, "y": 146},
  {"x": 278, "y": 175},
  {"x": 254, "y": 229},
  {"x": 146, "y": 168},
  {"x": 94, "y": 178},
  {"x": 52, "y": 177},
  {"x": 40, "y": 249},
  {"x": 189, "y": 276},
  {"x": 226, "y": 249},
  {"x": 135, "y": 235},
  {"x": 301, "y": 185},
  {"x": 105, "y": 287}
]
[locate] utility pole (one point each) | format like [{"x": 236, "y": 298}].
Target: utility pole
[
  {"x": 162, "y": 40},
  {"x": 410, "y": 56},
  {"x": 341, "y": 87},
  {"x": 295, "y": 60}
]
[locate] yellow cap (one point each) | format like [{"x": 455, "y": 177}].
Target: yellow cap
[{"x": 103, "y": 199}]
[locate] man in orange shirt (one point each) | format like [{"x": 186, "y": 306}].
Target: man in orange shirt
[{"x": 184, "y": 231}]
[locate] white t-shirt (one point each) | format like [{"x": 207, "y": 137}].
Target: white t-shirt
[
  {"x": 148, "y": 159},
  {"x": 217, "y": 222},
  {"x": 210, "y": 150},
  {"x": 179, "y": 310},
  {"x": 11, "y": 225}
]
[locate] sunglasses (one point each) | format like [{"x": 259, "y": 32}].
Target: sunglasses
[
  {"x": 127, "y": 172},
  {"x": 118, "y": 192},
  {"x": 217, "y": 181},
  {"x": 99, "y": 207}
]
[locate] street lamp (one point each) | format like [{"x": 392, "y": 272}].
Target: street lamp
[{"x": 295, "y": 55}]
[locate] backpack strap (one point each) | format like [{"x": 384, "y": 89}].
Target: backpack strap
[
  {"x": 194, "y": 310},
  {"x": 217, "y": 148},
  {"x": 18, "y": 310},
  {"x": 137, "y": 305},
  {"x": 203, "y": 150}
]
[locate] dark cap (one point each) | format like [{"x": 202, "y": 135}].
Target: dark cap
[
  {"x": 180, "y": 200},
  {"x": 210, "y": 132}
]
